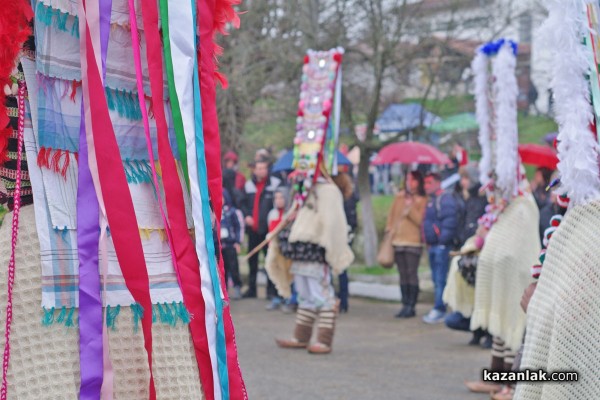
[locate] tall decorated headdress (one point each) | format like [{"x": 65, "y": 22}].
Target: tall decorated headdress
[
  {"x": 571, "y": 31},
  {"x": 496, "y": 93},
  {"x": 116, "y": 112},
  {"x": 317, "y": 125}
]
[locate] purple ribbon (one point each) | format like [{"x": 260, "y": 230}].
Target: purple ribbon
[{"x": 91, "y": 364}]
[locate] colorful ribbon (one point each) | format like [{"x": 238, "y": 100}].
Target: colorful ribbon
[
  {"x": 114, "y": 188},
  {"x": 175, "y": 109},
  {"x": 137, "y": 58},
  {"x": 93, "y": 345},
  {"x": 15, "y": 233},
  {"x": 197, "y": 292},
  {"x": 212, "y": 154}
]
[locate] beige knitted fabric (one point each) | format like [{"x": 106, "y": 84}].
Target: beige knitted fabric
[
  {"x": 504, "y": 271},
  {"x": 563, "y": 327},
  {"x": 322, "y": 221},
  {"x": 44, "y": 360},
  {"x": 458, "y": 294}
]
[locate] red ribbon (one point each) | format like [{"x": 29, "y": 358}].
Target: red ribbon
[
  {"x": 186, "y": 260},
  {"x": 212, "y": 143}
]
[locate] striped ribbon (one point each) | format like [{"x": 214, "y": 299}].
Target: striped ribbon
[
  {"x": 175, "y": 109},
  {"x": 113, "y": 184},
  {"x": 206, "y": 215},
  {"x": 180, "y": 41},
  {"x": 206, "y": 16},
  {"x": 137, "y": 58},
  {"x": 15, "y": 233}
]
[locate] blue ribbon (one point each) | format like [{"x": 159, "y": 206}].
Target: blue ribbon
[{"x": 206, "y": 217}]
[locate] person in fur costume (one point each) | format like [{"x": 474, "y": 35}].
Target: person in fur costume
[
  {"x": 316, "y": 248},
  {"x": 563, "y": 314}
]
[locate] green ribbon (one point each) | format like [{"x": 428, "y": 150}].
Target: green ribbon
[{"x": 174, "y": 100}]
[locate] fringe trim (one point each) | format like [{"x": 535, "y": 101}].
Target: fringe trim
[
  {"x": 53, "y": 17},
  {"x": 163, "y": 313},
  {"x": 137, "y": 171},
  {"x": 146, "y": 232},
  {"x": 124, "y": 103},
  {"x": 55, "y": 160}
]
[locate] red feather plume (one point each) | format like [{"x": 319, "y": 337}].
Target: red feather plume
[
  {"x": 14, "y": 31},
  {"x": 224, "y": 14}
]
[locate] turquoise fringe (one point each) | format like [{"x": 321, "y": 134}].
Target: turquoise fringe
[
  {"x": 52, "y": 17},
  {"x": 111, "y": 316},
  {"x": 137, "y": 171},
  {"x": 125, "y": 103},
  {"x": 164, "y": 313}
]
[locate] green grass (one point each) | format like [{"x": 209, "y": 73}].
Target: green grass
[
  {"x": 376, "y": 270},
  {"x": 381, "y": 208},
  {"x": 533, "y": 128}
]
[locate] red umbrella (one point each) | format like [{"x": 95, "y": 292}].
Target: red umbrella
[
  {"x": 409, "y": 153},
  {"x": 538, "y": 155}
]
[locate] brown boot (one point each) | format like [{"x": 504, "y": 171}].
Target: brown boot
[
  {"x": 305, "y": 320},
  {"x": 325, "y": 333}
]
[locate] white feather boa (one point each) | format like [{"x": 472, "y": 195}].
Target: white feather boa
[
  {"x": 577, "y": 150},
  {"x": 480, "y": 70},
  {"x": 506, "y": 91}
]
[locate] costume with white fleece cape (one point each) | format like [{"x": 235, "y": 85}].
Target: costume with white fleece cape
[
  {"x": 504, "y": 271},
  {"x": 458, "y": 294},
  {"x": 563, "y": 327},
  {"x": 320, "y": 221}
]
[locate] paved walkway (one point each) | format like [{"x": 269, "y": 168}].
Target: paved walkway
[{"x": 375, "y": 357}]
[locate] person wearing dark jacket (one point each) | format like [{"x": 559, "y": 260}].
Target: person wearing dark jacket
[
  {"x": 344, "y": 183},
  {"x": 229, "y": 183},
  {"x": 474, "y": 202},
  {"x": 440, "y": 228},
  {"x": 474, "y": 207},
  {"x": 232, "y": 229},
  {"x": 258, "y": 201}
]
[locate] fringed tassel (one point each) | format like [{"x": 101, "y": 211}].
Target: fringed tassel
[
  {"x": 62, "y": 315},
  {"x": 48, "y": 318},
  {"x": 43, "y": 159},
  {"x": 183, "y": 313},
  {"x": 111, "y": 316},
  {"x": 75, "y": 27},
  {"x": 69, "y": 321},
  {"x": 55, "y": 160},
  {"x": 65, "y": 166},
  {"x": 51, "y": 16},
  {"x": 137, "y": 171},
  {"x": 164, "y": 313},
  {"x": 138, "y": 315},
  {"x": 123, "y": 102},
  {"x": 74, "y": 86},
  {"x": 61, "y": 21}
]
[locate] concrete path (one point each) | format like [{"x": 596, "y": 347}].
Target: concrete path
[{"x": 375, "y": 357}]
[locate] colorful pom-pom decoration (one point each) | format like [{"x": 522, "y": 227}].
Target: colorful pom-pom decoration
[
  {"x": 536, "y": 270},
  {"x": 563, "y": 200},
  {"x": 542, "y": 256},
  {"x": 556, "y": 220}
]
